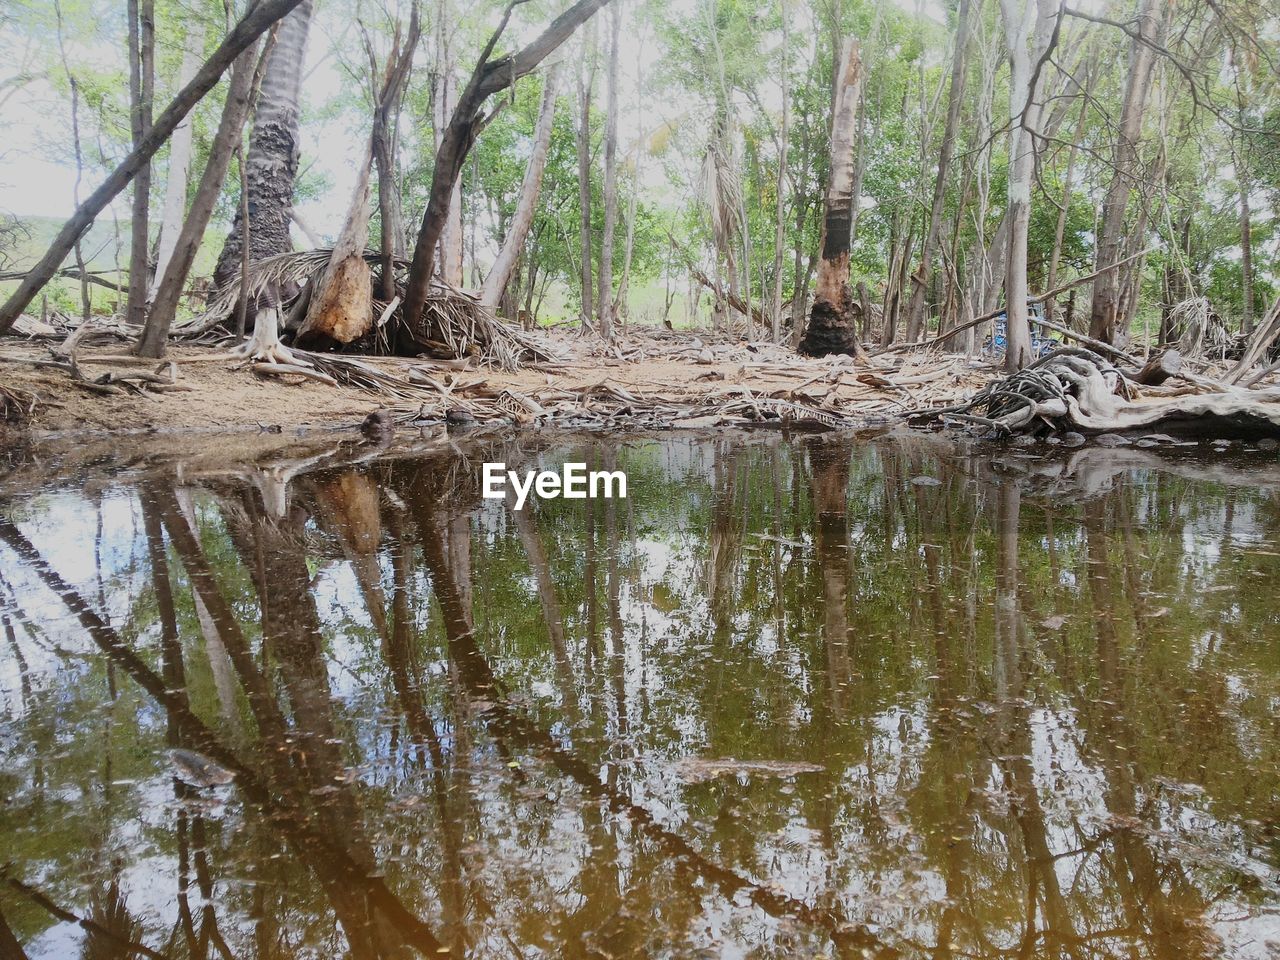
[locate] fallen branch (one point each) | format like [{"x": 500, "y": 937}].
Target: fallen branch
[{"x": 1040, "y": 298}]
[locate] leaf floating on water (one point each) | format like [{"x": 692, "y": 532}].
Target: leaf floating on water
[
  {"x": 926, "y": 481},
  {"x": 701, "y": 770},
  {"x": 1056, "y": 622},
  {"x": 198, "y": 770}
]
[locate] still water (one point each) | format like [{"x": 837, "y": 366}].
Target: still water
[{"x": 811, "y": 698}]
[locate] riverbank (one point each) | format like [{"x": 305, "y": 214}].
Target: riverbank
[{"x": 650, "y": 379}]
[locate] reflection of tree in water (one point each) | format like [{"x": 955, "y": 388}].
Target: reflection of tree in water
[{"x": 494, "y": 750}]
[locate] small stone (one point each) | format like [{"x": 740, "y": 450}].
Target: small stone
[
  {"x": 1073, "y": 439},
  {"x": 1111, "y": 440},
  {"x": 379, "y": 425},
  {"x": 1053, "y": 441},
  {"x": 1268, "y": 444},
  {"x": 1025, "y": 440},
  {"x": 926, "y": 481}
]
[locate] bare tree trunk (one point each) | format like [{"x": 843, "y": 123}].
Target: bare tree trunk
[
  {"x": 923, "y": 275},
  {"x": 239, "y": 94},
  {"x": 1105, "y": 320},
  {"x": 175, "y": 191},
  {"x": 86, "y": 303},
  {"x": 833, "y": 326},
  {"x": 488, "y": 77},
  {"x": 583, "y": 132},
  {"x": 271, "y": 161},
  {"x": 1035, "y": 24},
  {"x": 386, "y": 117},
  {"x": 245, "y": 33},
  {"x": 780, "y": 209},
  {"x": 1246, "y": 254},
  {"x": 443, "y": 102},
  {"x": 495, "y": 284},
  {"x": 605, "y": 298},
  {"x": 1060, "y": 230},
  {"x": 142, "y": 73}
]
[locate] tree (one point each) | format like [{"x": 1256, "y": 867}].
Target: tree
[
  {"x": 833, "y": 324},
  {"x": 245, "y": 33},
  {"x": 271, "y": 165},
  {"x": 610, "y": 183},
  {"x": 586, "y": 79},
  {"x": 1105, "y": 320},
  {"x": 142, "y": 76},
  {"x": 489, "y": 77},
  {"x": 244, "y": 73},
  {"x": 495, "y": 284},
  {"x": 923, "y": 275},
  {"x": 175, "y": 190},
  {"x": 1035, "y": 24}
]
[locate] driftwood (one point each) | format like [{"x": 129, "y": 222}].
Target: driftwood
[{"x": 1078, "y": 390}]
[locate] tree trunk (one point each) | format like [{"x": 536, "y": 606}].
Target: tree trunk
[
  {"x": 923, "y": 275},
  {"x": 1246, "y": 254},
  {"x": 341, "y": 308},
  {"x": 488, "y": 78},
  {"x": 175, "y": 190},
  {"x": 605, "y": 298},
  {"x": 1023, "y": 23},
  {"x": 1060, "y": 230},
  {"x": 384, "y": 137},
  {"x": 273, "y": 155},
  {"x": 583, "y": 138},
  {"x": 780, "y": 208},
  {"x": 239, "y": 93},
  {"x": 833, "y": 326},
  {"x": 1105, "y": 319},
  {"x": 142, "y": 41},
  {"x": 444, "y": 100},
  {"x": 245, "y": 33},
  {"x": 495, "y": 284}
]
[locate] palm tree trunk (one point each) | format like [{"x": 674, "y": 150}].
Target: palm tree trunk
[{"x": 271, "y": 163}]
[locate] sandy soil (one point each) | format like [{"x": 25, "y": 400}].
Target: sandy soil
[{"x": 219, "y": 395}]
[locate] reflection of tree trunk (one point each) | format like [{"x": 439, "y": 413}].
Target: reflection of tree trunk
[
  {"x": 1015, "y": 722},
  {"x": 170, "y": 648},
  {"x": 552, "y": 613},
  {"x": 511, "y": 727},
  {"x": 618, "y": 653},
  {"x": 224, "y": 681},
  {"x": 829, "y": 473},
  {"x": 1175, "y": 928},
  {"x": 332, "y": 864}
]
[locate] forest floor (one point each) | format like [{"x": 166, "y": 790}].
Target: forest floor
[{"x": 648, "y": 378}]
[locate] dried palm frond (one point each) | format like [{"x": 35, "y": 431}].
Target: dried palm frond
[
  {"x": 1203, "y": 332},
  {"x": 454, "y": 322}
]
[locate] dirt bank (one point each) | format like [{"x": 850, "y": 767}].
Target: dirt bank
[{"x": 667, "y": 379}]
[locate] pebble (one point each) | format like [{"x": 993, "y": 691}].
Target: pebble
[
  {"x": 1111, "y": 440},
  {"x": 1073, "y": 439}
]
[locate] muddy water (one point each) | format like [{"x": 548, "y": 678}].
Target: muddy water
[{"x": 810, "y": 699}]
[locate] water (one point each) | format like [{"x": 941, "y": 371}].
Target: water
[{"x": 959, "y": 705}]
